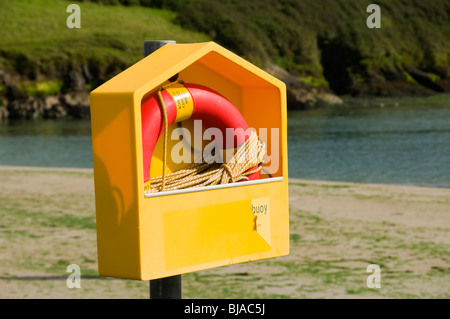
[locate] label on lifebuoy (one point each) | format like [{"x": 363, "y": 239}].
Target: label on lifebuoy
[{"x": 183, "y": 100}]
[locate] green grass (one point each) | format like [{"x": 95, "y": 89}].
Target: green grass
[
  {"x": 43, "y": 232},
  {"x": 294, "y": 33},
  {"x": 50, "y": 87},
  {"x": 35, "y": 38},
  {"x": 314, "y": 81},
  {"x": 294, "y": 238},
  {"x": 37, "y": 216},
  {"x": 298, "y": 35},
  {"x": 409, "y": 78},
  {"x": 321, "y": 186},
  {"x": 70, "y": 221}
]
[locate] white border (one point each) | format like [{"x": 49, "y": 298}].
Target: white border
[{"x": 220, "y": 186}]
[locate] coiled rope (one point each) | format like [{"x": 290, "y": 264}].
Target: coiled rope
[{"x": 209, "y": 172}]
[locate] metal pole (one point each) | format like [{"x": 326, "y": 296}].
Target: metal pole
[
  {"x": 168, "y": 287},
  {"x": 153, "y": 45}
]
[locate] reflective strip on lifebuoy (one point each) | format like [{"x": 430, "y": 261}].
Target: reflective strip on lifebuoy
[{"x": 189, "y": 101}]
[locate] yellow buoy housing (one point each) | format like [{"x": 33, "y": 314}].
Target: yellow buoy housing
[{"x": 144, "y": 237}]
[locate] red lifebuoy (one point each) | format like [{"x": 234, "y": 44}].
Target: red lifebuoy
[{"x": 209, "y": 106}]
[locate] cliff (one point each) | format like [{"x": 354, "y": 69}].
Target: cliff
[{"x": 321, "y": 49}]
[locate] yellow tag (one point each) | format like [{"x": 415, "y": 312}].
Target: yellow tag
[
  {"x": 261, "y": 209},
  {"x": 183, "y": 100}
]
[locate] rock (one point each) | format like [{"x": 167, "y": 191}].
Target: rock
[
  {"x": 301, "y": 95},
  {"x": 303, "y": 98},
  {"x": 4, "y": 78},
  {"x": 19, "y": 109},
  {"x": 75, "y": 99},
  {"x": 51, "y": 102},
  {"x": 394, "y": 75},
  {"x": 26, "y": 108},
  {"x": 4, "y": 114},
  {"x": 76, "y": 104},
  {"x": 17, "y": 105},
  {"x": 53, "y": 108},
  {"x": 444, "y": 83},
  {"x": 12, "y": 92},
  {"x": 283, "y": 75},
  {"x": 424, "y": 79},
  {"x": 74, "y": 81}
]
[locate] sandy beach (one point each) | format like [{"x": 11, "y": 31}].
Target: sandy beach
[{"x": 336, "y": 230}]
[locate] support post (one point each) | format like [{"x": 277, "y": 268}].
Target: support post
[
  {"x": 168, "y": 287},
  {"x": 153, "y": 45}
]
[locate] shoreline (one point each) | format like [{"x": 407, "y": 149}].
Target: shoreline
[
  {"x": 291, "y": 179},
  {"x": 75, "y": 105},
  {"x": 45, "y": 168}
]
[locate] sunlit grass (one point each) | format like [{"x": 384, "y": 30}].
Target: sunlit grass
[{"x": 35, "y": 37}]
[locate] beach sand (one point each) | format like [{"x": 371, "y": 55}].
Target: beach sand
[{"x": 336, "y": 231}]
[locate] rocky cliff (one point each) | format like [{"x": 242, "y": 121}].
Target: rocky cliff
[{"x": 321, "y": 49}]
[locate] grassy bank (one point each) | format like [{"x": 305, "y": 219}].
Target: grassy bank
[
  {"x": 321, "y": 42},
  {"x": 39, "y": 49},
  {"x": 336, "y": 229},
  {"x": 330, "y": 41}
]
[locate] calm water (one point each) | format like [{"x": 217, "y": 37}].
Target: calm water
[
  {"x": 409, "y": 146},
  {"x": 389, "y": 145},
  {"x": 57, "y": 143}
]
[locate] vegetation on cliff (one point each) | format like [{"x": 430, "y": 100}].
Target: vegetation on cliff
[
  {"x": 329, "y": 40},
  {"x": 47, "y": 69},
  {"x": 322, "y": 44},
  {"x": 39, "y": 52}
]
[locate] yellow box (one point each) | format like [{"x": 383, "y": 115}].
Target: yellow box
[{"x": 147, "y": 237}]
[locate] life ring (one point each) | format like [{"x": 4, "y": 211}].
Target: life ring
[{"x": 207, "y": 105}]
